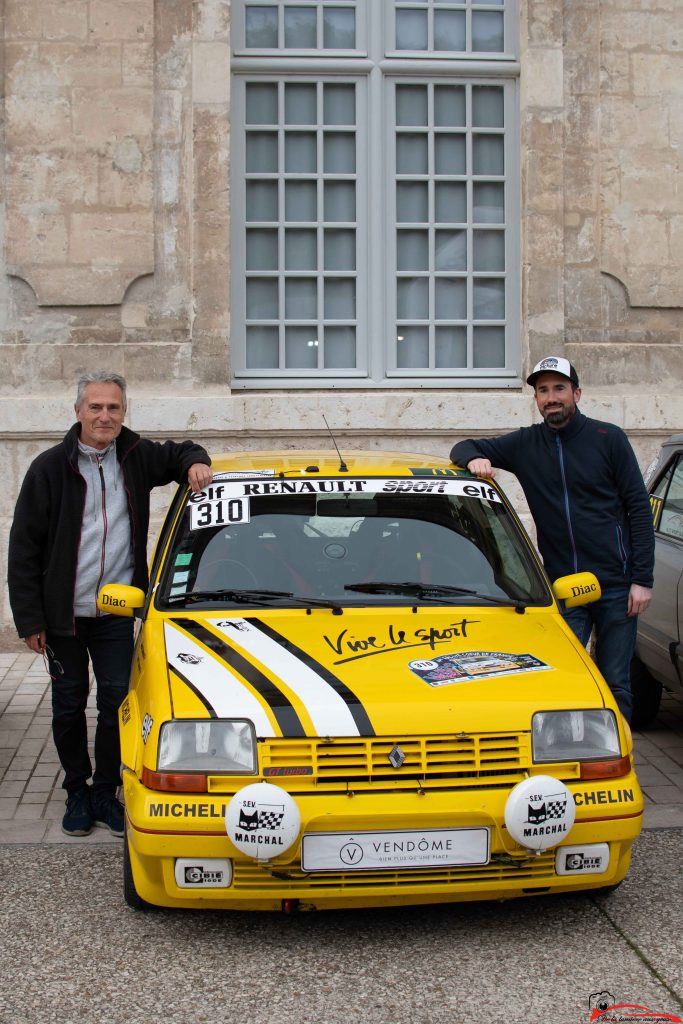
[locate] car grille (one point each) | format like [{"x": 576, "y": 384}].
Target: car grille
[
  {"x": 467, "y": 761},
  {"x": 536, "y": 870}
]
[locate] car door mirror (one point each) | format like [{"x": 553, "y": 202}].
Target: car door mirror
[
  {"x": 117, "y": 599},
  {"x": 577, "y": 589}
]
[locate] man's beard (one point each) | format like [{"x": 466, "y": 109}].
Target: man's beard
[{"x": 559, "y": 417}]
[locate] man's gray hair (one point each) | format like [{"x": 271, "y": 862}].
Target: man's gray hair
[{"x": 100, "y": 377}]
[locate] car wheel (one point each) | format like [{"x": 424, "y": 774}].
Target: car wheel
[
  {"x": 647, "y": 694},
  {"x": 130, "y": 893}
]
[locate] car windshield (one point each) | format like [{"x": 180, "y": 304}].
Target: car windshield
[{"x": 346, "y": 541}]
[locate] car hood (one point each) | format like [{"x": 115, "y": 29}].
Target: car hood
[{"x": 384, "y": 672}]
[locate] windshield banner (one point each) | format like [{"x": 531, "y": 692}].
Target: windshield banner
[{"x": 261, "y": 488}]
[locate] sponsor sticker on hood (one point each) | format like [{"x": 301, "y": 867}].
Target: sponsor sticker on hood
[{"x": 464, "y": 667}]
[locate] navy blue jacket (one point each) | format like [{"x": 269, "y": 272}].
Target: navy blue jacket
[
  {"x": 46, "y": 531},
  {"x": 585, "y": 493}
]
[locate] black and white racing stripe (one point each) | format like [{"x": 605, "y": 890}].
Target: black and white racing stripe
[
  {"x": 223, "y": 695},
  {"x": 285, "y": 714},
  {"x": 334, "y": 709}
]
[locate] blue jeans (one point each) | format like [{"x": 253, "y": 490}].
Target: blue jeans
[
  {"x": 108, "y": 642},
  {"x": 615, "y": 639}
]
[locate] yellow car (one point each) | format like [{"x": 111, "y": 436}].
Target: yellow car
[{"x": 352, "y": 687}]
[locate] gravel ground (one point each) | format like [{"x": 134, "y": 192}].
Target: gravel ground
[{"x": 71, "y": 952}]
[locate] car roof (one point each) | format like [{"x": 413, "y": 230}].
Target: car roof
[{"x": 328, "y": 461}]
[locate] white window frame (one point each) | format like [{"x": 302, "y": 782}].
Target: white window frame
[{"x": 376, "y": 68}]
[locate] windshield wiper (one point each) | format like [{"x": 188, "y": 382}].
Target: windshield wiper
[
  {"x": 252, "y": 596},
  {"x": 432, "y": 592},
  {"x": 241, "y": 596}
]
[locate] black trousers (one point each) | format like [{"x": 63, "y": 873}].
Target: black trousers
[{"x": 107, "y": 641}]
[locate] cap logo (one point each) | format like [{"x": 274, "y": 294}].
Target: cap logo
[{"x": 549, "y": 364}]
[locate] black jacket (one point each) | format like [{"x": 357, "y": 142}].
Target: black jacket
[
  {"x": 585, "y": 493},
  {"x": 46, "y": 531}
]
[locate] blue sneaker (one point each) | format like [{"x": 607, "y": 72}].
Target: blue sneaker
[
  {"x": 77, "y": 820},
  {"x": 107, "y": 812}
]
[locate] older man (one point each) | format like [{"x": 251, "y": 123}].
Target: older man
[
  {"x": 590, "y": 508},
  {"x": 81, "y": 521}
]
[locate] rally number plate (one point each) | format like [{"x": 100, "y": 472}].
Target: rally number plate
[{"x": 395, "y": 851}]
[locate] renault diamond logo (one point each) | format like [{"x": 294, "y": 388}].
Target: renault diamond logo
[{"x": 396, "y": 757}]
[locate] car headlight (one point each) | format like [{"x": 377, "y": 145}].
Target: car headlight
[
  {"x": 209, "y": 746},
  {"x": 575, "y": 735}
]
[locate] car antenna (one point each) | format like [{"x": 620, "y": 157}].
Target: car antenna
[{"x": 343, "y": 468}]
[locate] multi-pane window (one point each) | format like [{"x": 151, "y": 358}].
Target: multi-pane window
[
  {"x": 304, "y": 25},
  {"x": 450, "y": 225},
  {"x": 464, "y": 27},
  {"x": 374, "y": 193},
  {"x": 300, "y": 225}
]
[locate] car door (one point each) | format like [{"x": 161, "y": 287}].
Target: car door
[{"x": 659, "y": 628}]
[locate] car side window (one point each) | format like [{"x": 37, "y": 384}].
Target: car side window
[{"x": 671, "y": 516}]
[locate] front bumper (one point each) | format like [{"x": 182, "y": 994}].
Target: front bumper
[{"x": 163, "y": 827}]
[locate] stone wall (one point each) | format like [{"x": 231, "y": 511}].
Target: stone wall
[
  {"x": 79, "y": 154},
  {"x": 115, "y": 214},
  {"x": 623, "y": 289}
]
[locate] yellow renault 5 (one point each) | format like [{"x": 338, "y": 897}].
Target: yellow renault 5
[{"x": 352, "y": 687}]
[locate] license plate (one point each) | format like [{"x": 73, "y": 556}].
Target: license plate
[{"x": 395, "y": 851}]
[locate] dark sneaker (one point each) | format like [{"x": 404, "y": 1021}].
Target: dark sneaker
[
  {"x": 77, "y": 820},
  {"x": 107, "y": 812}
]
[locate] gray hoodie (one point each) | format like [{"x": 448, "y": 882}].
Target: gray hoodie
[{"x": 104, "y": 554}]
